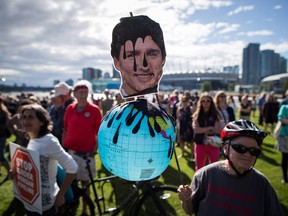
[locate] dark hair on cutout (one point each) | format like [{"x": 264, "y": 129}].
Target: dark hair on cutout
[{"x": 131, "y": 28}]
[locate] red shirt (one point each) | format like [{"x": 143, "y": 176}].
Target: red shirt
[{"x": 81, "y": 127}]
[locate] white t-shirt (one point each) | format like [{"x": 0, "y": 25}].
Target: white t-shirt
[{"x": 51, "y": 152}]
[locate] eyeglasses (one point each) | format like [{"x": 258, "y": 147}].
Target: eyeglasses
[
  {"x": 207, "y": 101},
  {"x": 184, "y": 100},
  {"x": 243, "y": 149}
]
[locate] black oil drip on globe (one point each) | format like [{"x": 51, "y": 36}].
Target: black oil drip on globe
[{"x": 143, "y": 108}]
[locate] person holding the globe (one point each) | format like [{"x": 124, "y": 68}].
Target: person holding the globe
[
  {"x": 233, "y": 186},
  {"x": 81, "y": 124},
  {"x": 139, "y": 54}
]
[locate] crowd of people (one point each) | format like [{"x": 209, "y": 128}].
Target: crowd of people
[
  {"x": 76, "y": 118},
  {"x": 66, "y": 124}
]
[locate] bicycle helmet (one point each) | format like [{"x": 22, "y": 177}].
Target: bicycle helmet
[{"x": 242, "y": 128}]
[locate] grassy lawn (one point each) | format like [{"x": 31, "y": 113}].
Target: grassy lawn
[{"x": 268, "y": 163}]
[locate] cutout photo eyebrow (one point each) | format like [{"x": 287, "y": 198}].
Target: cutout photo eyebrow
[{"x": 153, "y": 51}]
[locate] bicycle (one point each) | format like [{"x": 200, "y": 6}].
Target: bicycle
[{"x": 144, "y": 197}]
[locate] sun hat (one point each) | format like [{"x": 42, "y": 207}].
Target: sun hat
[{"x": 62, "y": 88}]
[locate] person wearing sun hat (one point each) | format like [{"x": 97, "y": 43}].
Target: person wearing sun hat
[
  {"x": 65, "y": 91},
  {"x": 82, "y": 120},
  {"x": 61, "y": 99}
]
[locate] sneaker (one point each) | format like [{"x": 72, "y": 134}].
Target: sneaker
[
  {"x": 191, "y": 159},
  {"x": 283, "y": 181}
]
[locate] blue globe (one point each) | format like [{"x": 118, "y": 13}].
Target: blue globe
[{"x": 136, "y": 140}]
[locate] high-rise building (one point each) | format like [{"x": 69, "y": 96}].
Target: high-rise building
[
  {"x": 91, "y": 73},
  {"x": 283, "y": 65},
  {"x": 268, "y": 63},
  {"x": 115, "y": 73},
  {"x": 70, "y": 82},
  {"x": 251, "y": 74},
  {"x": 260, "y": 64}
]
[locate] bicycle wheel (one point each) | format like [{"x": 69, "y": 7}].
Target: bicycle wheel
[
  {"x": 80, "y": 196},
  {"x": 166, "y": 198}
]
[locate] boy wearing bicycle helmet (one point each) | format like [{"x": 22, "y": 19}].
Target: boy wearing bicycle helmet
[{"x": 233, "y": 186}]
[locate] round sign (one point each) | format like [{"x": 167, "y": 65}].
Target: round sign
[{"x": 136, "y": 140}]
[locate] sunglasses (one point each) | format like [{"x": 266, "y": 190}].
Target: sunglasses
[
  {"x": 222, "y": 96},
  {"x": 207, "y": 101},
  {"x": 243, "y": 149}
]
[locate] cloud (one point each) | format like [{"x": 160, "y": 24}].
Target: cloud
[
  {"x": 277, "y": 7},
  {"x": 42, "y": 41},
  {"x": 278, "y": 48},
  {"x": 256, "y": 33},
  {"x": 241, "y": 9}
]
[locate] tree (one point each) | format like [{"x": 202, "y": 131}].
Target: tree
[
  {"x": 284, "y": 86},
  {"x": 206, "y": 86},
  {"x": 230, "y": 87}
]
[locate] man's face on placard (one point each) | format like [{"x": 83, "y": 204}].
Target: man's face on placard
[{"x": 141, "y": 68}]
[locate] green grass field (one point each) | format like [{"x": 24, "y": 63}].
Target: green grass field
[{"x": 269, "y": 164}]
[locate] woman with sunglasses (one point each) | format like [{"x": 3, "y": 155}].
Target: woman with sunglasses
[
  {"x": 206, "y": 123},
  {"x": 233, "y": 186}
]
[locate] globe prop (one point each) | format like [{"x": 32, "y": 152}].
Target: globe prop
[{"x": 136, "y": 140}]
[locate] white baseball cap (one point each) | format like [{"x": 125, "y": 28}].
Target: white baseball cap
[{"x": 62, "y": 88}]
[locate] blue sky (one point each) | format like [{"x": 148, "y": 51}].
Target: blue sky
[{"x": 41, "y": 41}]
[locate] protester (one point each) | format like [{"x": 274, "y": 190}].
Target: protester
[
  {"x": 244, "y": 108},
  {"x": 270, "y": 111},
  {"x": 5, "y": 115},
  {"x": 195, "y": 98},
  {"x": 22, "y": 139},
  {"x": 233, "y": 186},
  {"x": 282, "y": 140},
  {"x": 231, "y": 103},
  {"x": 184, "y": 123},
  {"x": 118, "y": 99},
  {"x": 65, "y": 91},
  {"x": 227, "y": 112},
  {"x": 81, "y": 124},
  {"x": 173, "y": 98},
  {"x": 15, "y": 126},
  {"x": 107, "y": 103},
  {"x": 260, "y": 103},
  {"x": 62, "y": 98},
  {"x": 206, "y": 122},
  {"x": 253, "y": 104},
  {"x": 139, "y": 54},
  {"x": 161, "y": 100},
  {"x": 36, "y": 122}
]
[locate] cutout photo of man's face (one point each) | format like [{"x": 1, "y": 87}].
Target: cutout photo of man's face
[
  {"x": 141, "y": 68},
  {"x": 139, "y": 54}
]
